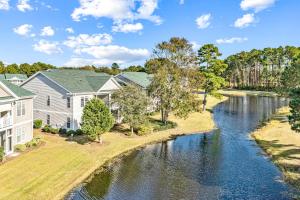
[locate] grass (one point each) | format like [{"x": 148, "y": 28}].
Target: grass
[
  {"x": 233, "y": 92},
  {"x": 282, "y": 145},
  {"x": 52, "y": 170}
]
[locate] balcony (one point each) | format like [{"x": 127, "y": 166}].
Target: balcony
[{"x": 6, "y": 122}]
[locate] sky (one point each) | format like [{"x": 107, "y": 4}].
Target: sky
[{"x": 101, "y": 32}]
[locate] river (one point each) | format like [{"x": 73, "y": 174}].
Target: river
[{"x": 223, "y": 164}]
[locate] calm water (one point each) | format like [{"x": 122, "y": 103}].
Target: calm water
[{"x": 223, "y": 164}]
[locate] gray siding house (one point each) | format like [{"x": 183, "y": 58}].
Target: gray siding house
[
  {"x": 16, "y": 116},
  {"x": 62, "y": 94},
  {"x": 139, "y": 79}
]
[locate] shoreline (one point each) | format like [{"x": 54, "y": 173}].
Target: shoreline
[
  {"x": 241, "y": 93},
  {"x": 282, "y": 146},
  {"x": 55, "y": 169}
]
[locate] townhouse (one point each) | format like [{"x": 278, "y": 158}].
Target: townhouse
[
  {"x": 62, "y": 94},
  {"x": 16, "y": 79},
  {"x": 16, "y": 116}
]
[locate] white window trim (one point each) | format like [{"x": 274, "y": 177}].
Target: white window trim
[{"x": 22, "y": 108}]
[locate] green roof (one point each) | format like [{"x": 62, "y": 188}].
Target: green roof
[
  {"x": 78, "y": 81},
  {"x": 140, "y": 78},
  {"x": 6, "y": 98},
  {"x": 2, "y": 77},
  {"x": 17, "y": 90},
  {"x": 19, "y": 76}
]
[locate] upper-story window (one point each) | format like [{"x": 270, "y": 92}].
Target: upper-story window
[
  {"x": 48, "y": 100},
  {"x": 21, "y": 108},
  {"x": 68, "y": 102},
  {"x": 86, "y": 100},
  {"x": 82, "y": 102}
]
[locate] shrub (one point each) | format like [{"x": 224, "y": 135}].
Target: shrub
[
  {"x": 33, "y": 143},
  {"x": 160, "y": 126},
  {"x": 1, "y": 154},
  {"x": 20, "y": 147},
  {"x": 79, "y": 132},
  {"x": 145, "y": 129},
  {"x": 37, "y": 123},
  {"x": 47, "y": 129},
  {"x": 71, "y": 132},
  {"x": 62, "y": 131},
  {"x": 54, "y": 130}
]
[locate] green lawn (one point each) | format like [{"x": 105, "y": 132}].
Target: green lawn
[{"x": 53, "y": 169}]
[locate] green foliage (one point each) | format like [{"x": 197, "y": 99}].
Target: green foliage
[
  {"x": 160, "y": 126},
  {"x": 135, "y": 68},
  {"x": 20, "y": 148},
  {"x": 12, "y": 69},
  {"x": 291, "y": 76},
  {"x": 47, "y": 129},
  {"x": 37, "y": 123},
  {"x": 145, "y": 129},
  {"x": 79, "y": 132},
  {"x": 96, "y": 119},
  {"x": 172, "y": 66},
  {"x": 212, "y": 69},
  {"x": 294, "y": 118},
  {"x": 54, "y": 130},
  {"x": 71, "y": 133},
  {"x": 2, "y": 154},
  {"x": 62, "y": 131},
  {"x": 34, "y": 142},
  {"x": 133, "y": 103}
]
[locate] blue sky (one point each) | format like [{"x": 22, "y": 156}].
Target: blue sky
[{"x": 100, "y": 32}]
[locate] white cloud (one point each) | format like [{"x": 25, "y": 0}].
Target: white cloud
[
  {"x": 47, "y": 47},
  {"x": 203, "y": 21},
  {"x": 69, "y": 30},
  {"x": 181, "y": 2},
  {"x": 127, "y": 28},
  {"x": 244, "y": 21},
  {"x": 195, "y": 45},
  {"x": 4, "y": 4},
  {"x": 106, "y": 55},
  {"x": 24, "y": 30},
  {"x": 23, "y": 5},
  {"x": 118, "y": 10},
  {"x": 47, "y": 31},
  {"x": 257, "y": 5},
  {"x": 231, "y": 40},
  {"x": 83, "y": 40}
]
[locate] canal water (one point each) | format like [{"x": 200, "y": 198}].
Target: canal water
[{"x": 223, "y": 164}]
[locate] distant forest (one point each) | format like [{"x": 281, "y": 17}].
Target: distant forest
[{"x": 265, "y": 69}]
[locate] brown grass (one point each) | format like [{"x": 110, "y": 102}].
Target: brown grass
[
  {"x": 51, "y": 171},
  {"x": 282, "y": 145}
]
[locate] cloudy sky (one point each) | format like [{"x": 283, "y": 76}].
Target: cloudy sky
[{"x": 100, "y": 32}]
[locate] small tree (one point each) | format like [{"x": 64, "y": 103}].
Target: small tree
[
  {"x": 133, "y": 104},
  {"x": 96, "y": 119},
  {"x": 294, "y": 118}
]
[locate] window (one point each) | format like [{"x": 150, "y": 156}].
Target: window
[
  {"x": 19, "y": 135},
  {"x": 48, "y": 119},
  {"x": 23, "y": 108},
  {"x": 19, "y": 108},
  {"x": 82, "y": 102},
  {"x": 86, "y": 100},
  {"x": 68, "y": 122},
  {"x": 48, "y": 100},
  {"x": 68, "y": 102}
]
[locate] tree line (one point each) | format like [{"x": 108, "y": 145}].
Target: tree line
[{"x": 260, "y": 69}]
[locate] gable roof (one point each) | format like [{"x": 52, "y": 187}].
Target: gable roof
[
  {"x": 77, "y": 81},
  {"x": 17, "y": 76},
  {"x": 140, "y": 78},
  {"x": 16, "y": 90}
]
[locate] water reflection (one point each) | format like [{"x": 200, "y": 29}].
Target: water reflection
[{"x": 223, "y": 164}]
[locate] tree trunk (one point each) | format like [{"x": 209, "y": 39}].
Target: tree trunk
[
  {"x": 131, "y": 128},
  {"x": 100, "y": 139},
  {"x": 204, "y": 101}
]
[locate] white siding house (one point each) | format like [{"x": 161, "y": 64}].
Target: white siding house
[
  {"x": 62, "y": 94},
  {"x": 16, "y": 116}
]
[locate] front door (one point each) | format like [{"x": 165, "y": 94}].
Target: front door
[{"x": 9, "y": 141}]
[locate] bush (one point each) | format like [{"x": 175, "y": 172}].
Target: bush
[
  {"x": 1, "y": 154},
  {"x": 145, "y": 129},
  {"x": 47, "y": 129},
  {"x": 37, "y": 123},
  {"x": 33, "y": 143},
  {"x": 79, "y": 132},
  {"x": 62, "y": 131},
  {"x": 20, "y": 147},
  {"x": 54, "y": 130},
  {"x": 160, "y": 126},
  {"x": 71, "y": 132}
]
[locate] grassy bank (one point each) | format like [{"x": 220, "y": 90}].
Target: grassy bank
[
  {"x": 233, "y": 92},
  {"x": 282, "y": 145},
  {"x": 52, "y": 170}
]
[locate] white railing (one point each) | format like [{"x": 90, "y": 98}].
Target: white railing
[{"x": 5, "y": 122}]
